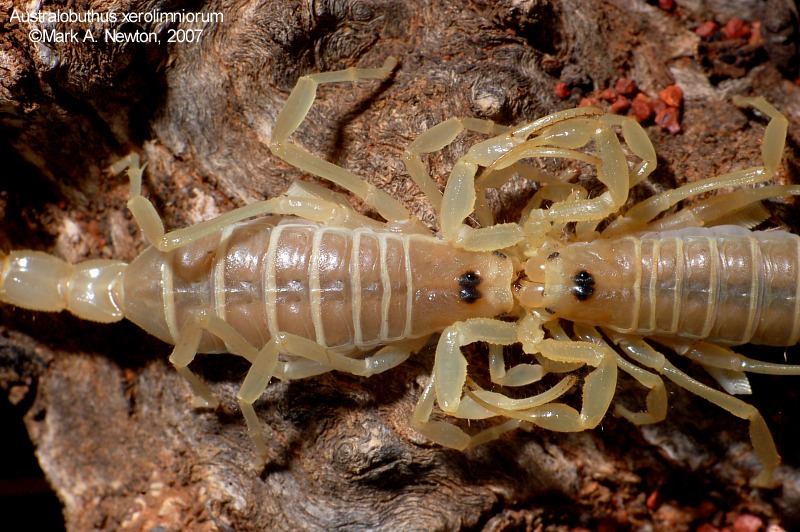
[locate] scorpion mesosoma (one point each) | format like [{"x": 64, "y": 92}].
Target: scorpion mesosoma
[{"x": 309, "y": 285}]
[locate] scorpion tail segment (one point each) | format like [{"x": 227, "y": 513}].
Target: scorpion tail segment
[{"x": 37, "y": 281}]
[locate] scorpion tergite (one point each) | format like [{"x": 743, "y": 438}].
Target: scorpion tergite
[{"x": 303, "y": 284}]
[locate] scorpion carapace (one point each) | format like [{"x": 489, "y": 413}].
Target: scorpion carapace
[{"x": 309, "y": 285}]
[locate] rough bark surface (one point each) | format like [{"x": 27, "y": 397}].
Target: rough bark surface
[{"x": 111, "y": 421}]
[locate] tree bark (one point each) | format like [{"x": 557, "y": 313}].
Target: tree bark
[{"x": 111, "y": 421}]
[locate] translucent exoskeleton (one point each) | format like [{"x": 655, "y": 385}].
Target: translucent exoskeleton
[{"x": 302, "y": 284}]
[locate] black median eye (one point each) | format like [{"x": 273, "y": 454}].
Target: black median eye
[
  {"x": 469, "y": 295},
  {"x": 584, "y": 285},
  {"x": 468, "y": 283},
  {"x": 469, "y": 279}
]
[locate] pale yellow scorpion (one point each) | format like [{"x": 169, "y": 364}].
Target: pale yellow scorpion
[{"x": 302, "y": 284}]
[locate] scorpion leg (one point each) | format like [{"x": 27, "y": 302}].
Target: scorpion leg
[
  {"x": 557, "y": 136},
  {"x": 598, "y": 391},
  {"x": 546, "y": 412},
  {"x": 265, "y": 363},
  {"x": 187, "y": 345},
  {"x": 656, "y": 401},
  {"x": 298, "y": 201},
  {"x": 760, "y": 435},
  {"x": 636, "y": 139},
  {"x": 519, "y": 375},
  {"x": 384, "y": 359},
  {"x": 740, "y": 207},
  {"x": 481, "y": 154},
  {"x": 497, "y": 404},
  {"x": 557, "y": 140},
  {"x": 460, "y": 194},
  {"x": 182, "y": 355},
  {"x": 435, "y": 139},
  {"x": 447, "y": 434},
  {"x": 295, "y": 111},
  {"x": 560, "y": 354},
  {"x": 638, "y": 217},
  {"x": 305, "y": 190},
  {"x": 727, "y": 366},
  {"x": 598, "y": 388},
  {"x": 449, "y": 361}
]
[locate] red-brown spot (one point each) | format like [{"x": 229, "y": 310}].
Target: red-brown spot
[
  {"x": 672, "y": 96},
  {"x": 706, "y": 509},
  {"x": 669, "y": 119},
  {"x": 620, "y": 106},
  {"x": 641, "y": 107},
  {"x": 608, "y": 95},
  {"x": 562, "y": 90},
  {"x": 747, "y": 523},
  {"x": 735, "y": 28},
  {"x": 653, "y": 501},
  {"x": 666, "y": 5},
  {"x": 756, "y": 39},
  {"x": 626, "y": 86},
  {"x": 706, "y": 29},
  {"x": 659, "y": 105}
]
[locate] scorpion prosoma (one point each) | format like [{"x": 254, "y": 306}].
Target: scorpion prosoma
[{"x": 310, "y": 285}]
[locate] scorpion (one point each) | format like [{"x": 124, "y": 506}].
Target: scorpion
[{"x": 302, "y": 284}]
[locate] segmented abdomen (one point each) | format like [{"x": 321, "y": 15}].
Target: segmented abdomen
[
  {"x": 724, "y": 284},
  {"x": 351, "y": 289}
]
